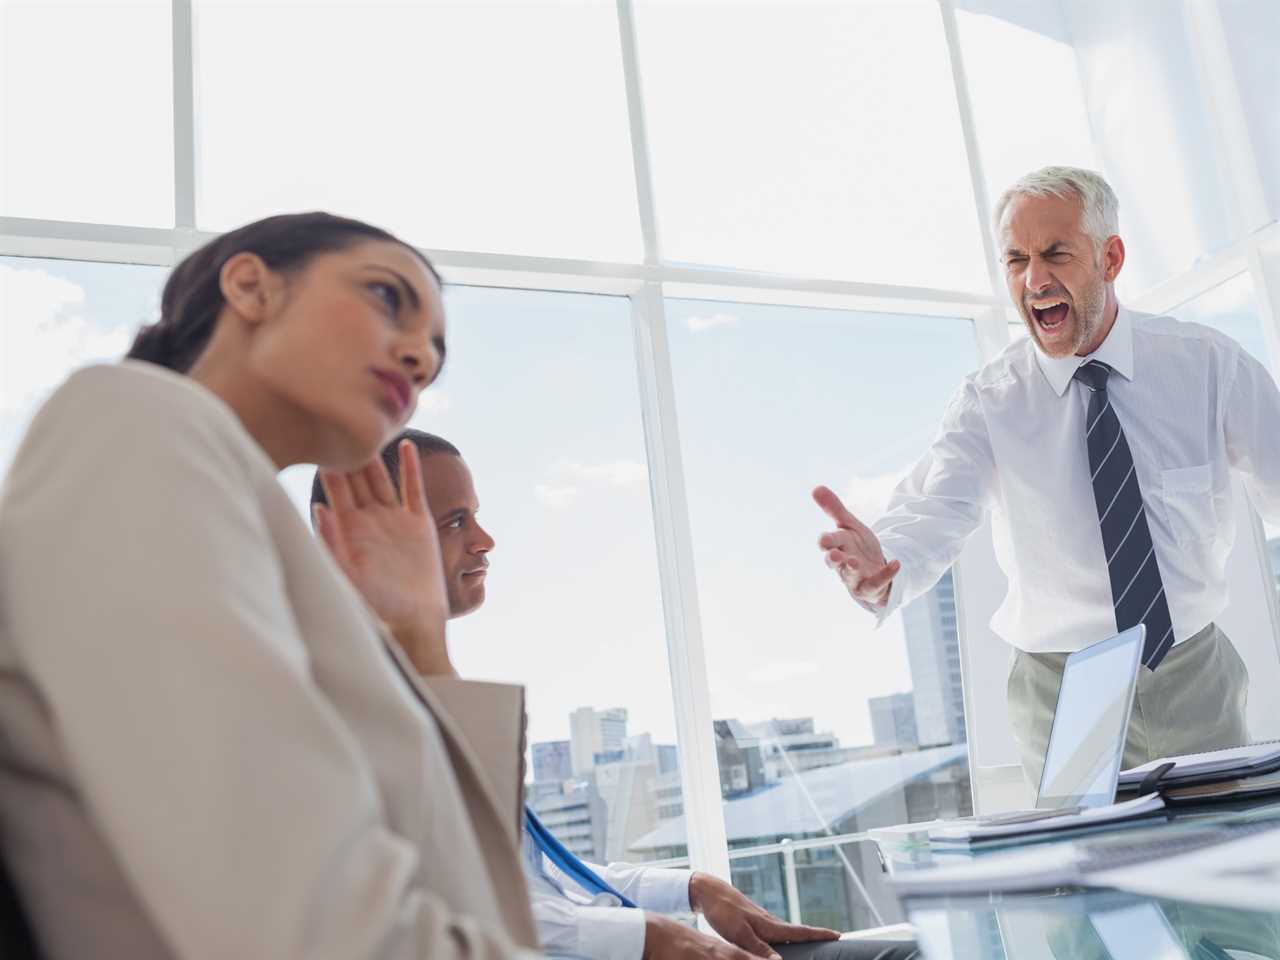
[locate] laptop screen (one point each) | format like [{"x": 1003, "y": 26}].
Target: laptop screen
[{"x": 1086, "y": 744}]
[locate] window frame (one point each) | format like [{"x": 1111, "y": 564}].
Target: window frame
[{"x": 648, "y": 283}]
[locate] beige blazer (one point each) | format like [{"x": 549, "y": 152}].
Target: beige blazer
[{"x": 206, "y": 750}]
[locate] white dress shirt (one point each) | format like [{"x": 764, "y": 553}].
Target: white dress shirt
[
  {"x": 572, "y": 923},
  {"x": 1194, "y": 406}
]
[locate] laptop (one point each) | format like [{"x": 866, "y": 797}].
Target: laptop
[{"x": 1090, "y": 724}]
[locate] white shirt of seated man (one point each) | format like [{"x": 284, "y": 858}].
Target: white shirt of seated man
[{"x": 381, "y": 546}]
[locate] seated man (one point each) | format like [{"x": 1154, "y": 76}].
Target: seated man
[{"x": 618, "y": 912}]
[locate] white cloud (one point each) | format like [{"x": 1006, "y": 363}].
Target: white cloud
[
  {"x": 433, "y": 404},
  {"x": 699, "y": 324},
  {"x": 557, "y": 497},
  {"x": 44, "y": 335},
  {"x": 867, "y": 497},
  {"x": 780, "y": 671},
  {"x": 568, "y": 479},
  {"x": 611, "y": 473}
]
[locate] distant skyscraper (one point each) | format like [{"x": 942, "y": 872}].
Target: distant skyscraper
[
  {"x": 594, "y": 732},
  {"x": 933, "y": 650},
  {"x": 578, "y": 818},
  {"x": 668, "y": 758},
  {"x": 552, "y": 762},
  {"x": 893, "y": 720}
]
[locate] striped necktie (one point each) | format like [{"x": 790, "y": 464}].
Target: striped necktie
[
  {"x": 1136, "y": 588},
  {"x": 568, "y": 864}
]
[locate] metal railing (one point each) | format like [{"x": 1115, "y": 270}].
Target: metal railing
[{"x": 787, "y": 848}]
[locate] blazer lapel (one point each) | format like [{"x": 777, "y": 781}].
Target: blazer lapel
[{"x": 492, "y": 827}]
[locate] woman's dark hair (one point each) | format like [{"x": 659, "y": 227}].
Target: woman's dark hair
[
  {"x": 193, "y": 298},
  {"x": 427, "y": 444}
]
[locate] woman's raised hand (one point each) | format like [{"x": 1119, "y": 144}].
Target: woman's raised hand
[{"x": 387, "y": 546}]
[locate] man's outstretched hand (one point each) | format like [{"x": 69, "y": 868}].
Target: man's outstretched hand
[
  {"x": 749, "y": 929},
  {"x": 853, "y": 551}
]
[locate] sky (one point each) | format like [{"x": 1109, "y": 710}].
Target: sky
[
  {"x": 793, "y": 138},
  {"x": 541, "y": 395}
]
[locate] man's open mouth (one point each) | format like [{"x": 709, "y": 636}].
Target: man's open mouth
[{"x": 1051, "y": 315}]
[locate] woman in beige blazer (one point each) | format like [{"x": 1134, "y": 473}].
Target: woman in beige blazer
[{"x": 208, "y": 747}]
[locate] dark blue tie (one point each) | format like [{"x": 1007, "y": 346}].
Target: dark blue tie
[
  {"x": 569, "y": 864},
  {"x": 1136, "y": 588}
]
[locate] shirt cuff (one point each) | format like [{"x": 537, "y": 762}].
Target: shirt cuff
[
  {"x": 611, "y": 933},
  {"x": 664, "y": 890},
  {"x": 894, "y": 599}
]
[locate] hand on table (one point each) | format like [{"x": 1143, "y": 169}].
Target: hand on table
[
  {"x": 748, "y": 930},
  {"x": 854, "y": 552},
  {"x": 740, "y": 921}
]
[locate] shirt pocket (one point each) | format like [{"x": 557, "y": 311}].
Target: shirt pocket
[{"x": 1187, "y": 493}]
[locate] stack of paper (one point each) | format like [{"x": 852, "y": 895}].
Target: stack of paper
[
  {"x": 1216, "y": 863},
  {"x": 1217, "y": 775},
  {"x": 973, "y": 832}
]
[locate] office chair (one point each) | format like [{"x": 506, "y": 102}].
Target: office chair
[{"x": 16, "y": 939}]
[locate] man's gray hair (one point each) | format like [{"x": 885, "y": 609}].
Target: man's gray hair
[{"x": 1101, "y": 210}]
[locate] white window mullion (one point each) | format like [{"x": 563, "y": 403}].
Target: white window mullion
[
  {"x": 640, "y": 157},
  {"x": 691, "y": 692},
  {"x": 990, "y": 326},
  {"x": 184, "y": 120}
]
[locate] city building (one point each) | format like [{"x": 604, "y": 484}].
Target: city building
[
  {"x": 576, "y": 815},
  {"x": 552, "y": 762},
  {"x": 594, "y": 732},
  {"x": 668, "y": 795},
  {"x": 893, "y": 720},
  {"x": 848, "y": 798},
  {"x": 739, "y": 759},
  {"x": 933, "y": 652},
  {"x": 668, "y": 758}
]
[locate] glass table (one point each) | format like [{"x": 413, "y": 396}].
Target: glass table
[{"x": 1084, "y": 923}]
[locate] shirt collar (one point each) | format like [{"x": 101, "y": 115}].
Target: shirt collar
[{"x": 1116, "y": 352}]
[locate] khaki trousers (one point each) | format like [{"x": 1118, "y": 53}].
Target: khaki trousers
[{"x": 1194, "y": 701}]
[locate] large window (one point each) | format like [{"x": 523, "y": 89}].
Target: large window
[
  {"x": 540, "y": 395},
  {"x": 86, "y": 128},
  {"x": 824, "y": 725},
  {"x": 469, "y": 126},
  {"x": 640, "y": 207},
  {"x": 57, "y": 315},
  {"x": 1153, "y": 121},
  {"x": 794, "y": 137}
]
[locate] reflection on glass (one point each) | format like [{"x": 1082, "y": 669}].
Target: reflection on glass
[
  {"x": 495, "y": 125},
  {"x": 1023, "y": 39},
  {"x": 1152, "y": 130},
  {"x": 1231, "y": 308},
  {"x": 540, "y": 395},
  {"x": 1138, "y": 931},
  {"x": 86, "y": 110},
  {"x": 824, "y": 725},
  {"x": 1089, "y": 925},
  {"x": 1252, "y": 31},
  {"x": 57, "y": 315},
  {"x": 818, "y": 139}
]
